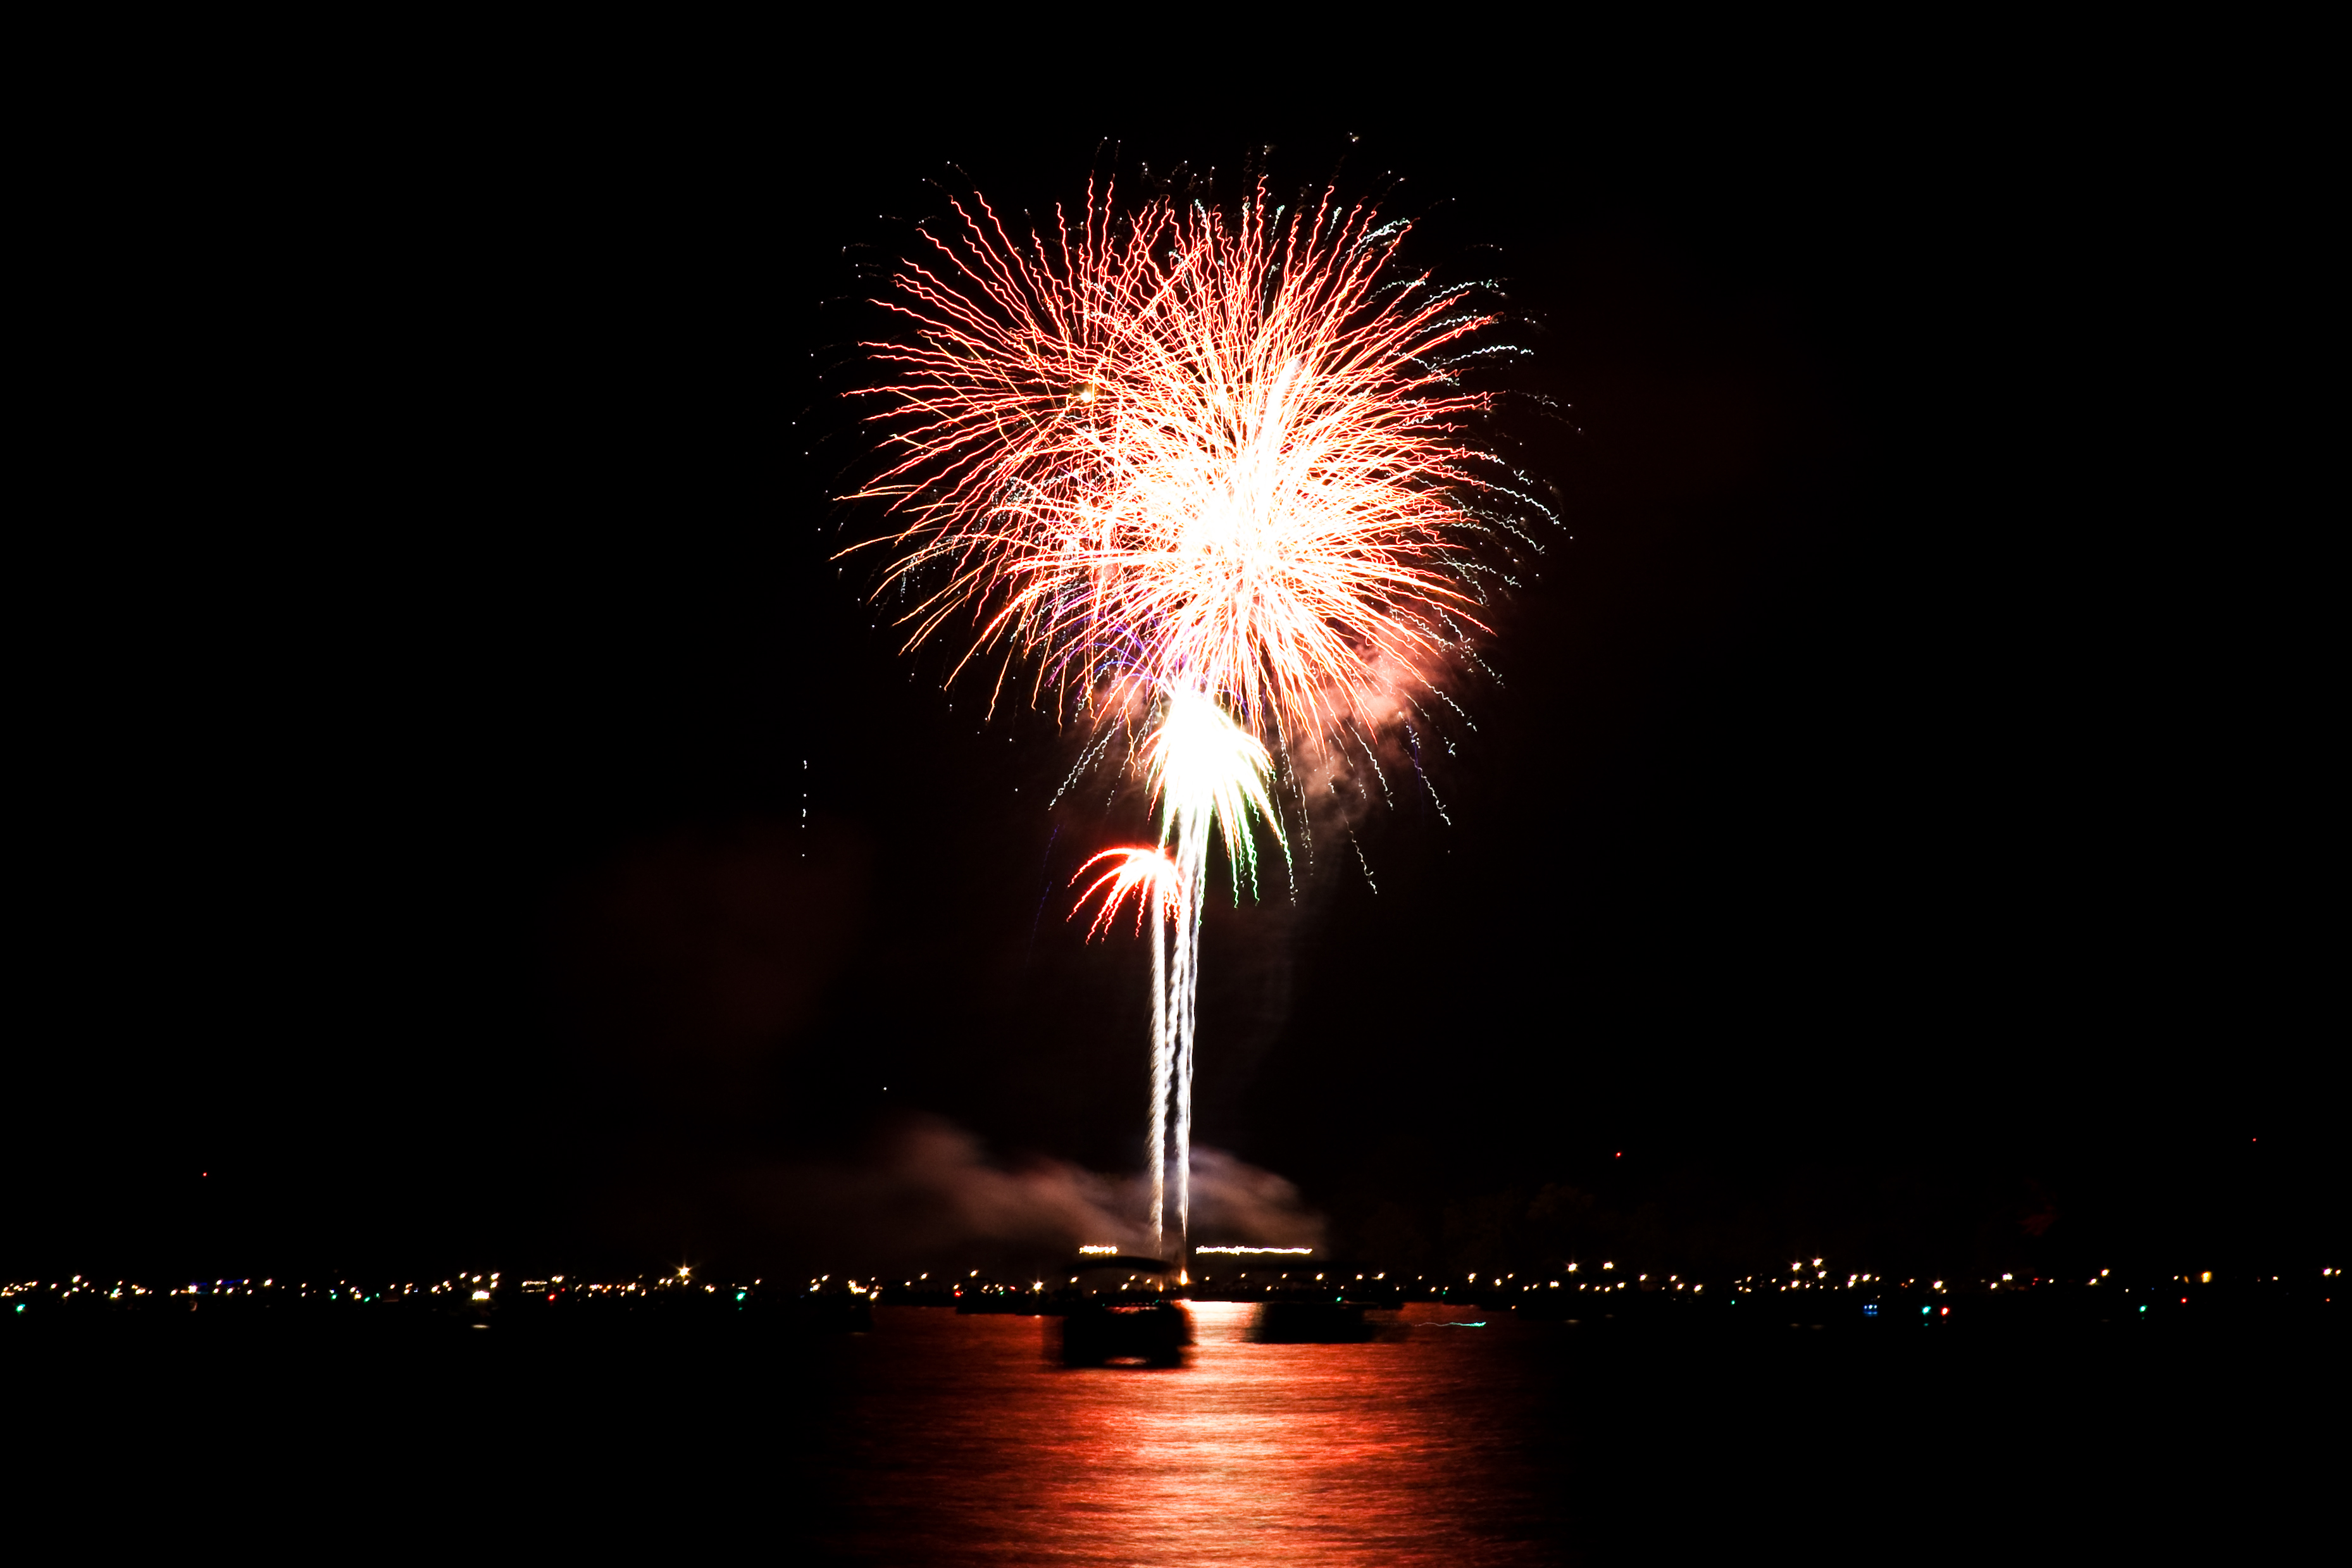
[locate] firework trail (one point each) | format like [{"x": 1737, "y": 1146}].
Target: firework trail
[
  {"x": 1158, "y": 881},
  {"x": 1207, "y": 772},
  {"x": 1206, "y": 477}
]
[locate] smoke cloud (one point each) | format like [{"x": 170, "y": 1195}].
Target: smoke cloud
[
  {"x": 1233, "y": 1201},
  {"x": 928, "y": 1193}
]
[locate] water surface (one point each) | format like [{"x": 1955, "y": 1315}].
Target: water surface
[{"x": 964, "y": 1443}]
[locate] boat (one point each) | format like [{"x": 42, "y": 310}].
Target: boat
[{"x": 1118, "y": 1310}]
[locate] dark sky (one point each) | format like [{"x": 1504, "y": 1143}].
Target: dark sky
[{"x": 1885, "y": 826}]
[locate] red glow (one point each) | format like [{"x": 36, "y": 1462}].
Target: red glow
[
  {"x": 1253, "y": 1454},
  {"x": 1151, "y": 876}
]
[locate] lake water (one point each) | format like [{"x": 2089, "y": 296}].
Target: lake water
[
  {"x": 946, "y": 1439},
  {"x": 965, "y": 1445},
  {"x": 939, "y": 1439}
]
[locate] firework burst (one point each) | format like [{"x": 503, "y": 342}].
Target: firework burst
[
  {"x": 1154, "y": 880},
  {"x": 1183, "y": 450},
  {"x": 1206, "y": 476}
]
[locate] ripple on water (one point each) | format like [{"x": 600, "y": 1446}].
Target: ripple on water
[{"x": 961, "y": 1442}]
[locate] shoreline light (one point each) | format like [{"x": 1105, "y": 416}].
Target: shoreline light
[{"x": 1254, "y": 1251}]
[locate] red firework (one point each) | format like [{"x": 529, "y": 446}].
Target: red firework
[{"x": 1180, "y": 451}]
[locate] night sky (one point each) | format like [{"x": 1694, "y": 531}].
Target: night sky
[{"x": 1885, "y": 832}]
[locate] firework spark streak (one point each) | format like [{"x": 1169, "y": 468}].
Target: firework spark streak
[
  {"x": 1204, "y": 476},
  {"x": 1158, "y": 881},
  {"x": 1207, "y": 772}
]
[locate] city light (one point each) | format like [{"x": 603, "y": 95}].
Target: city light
[{"x": 484, "y": 1299}]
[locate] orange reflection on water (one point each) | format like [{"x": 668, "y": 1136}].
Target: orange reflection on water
[{"x": 963, "y": 1445}]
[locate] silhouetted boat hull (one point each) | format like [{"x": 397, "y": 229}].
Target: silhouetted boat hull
[
  {"x": 1096, "y": 1333},
  {"x": 1311, "y": 1323}
]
